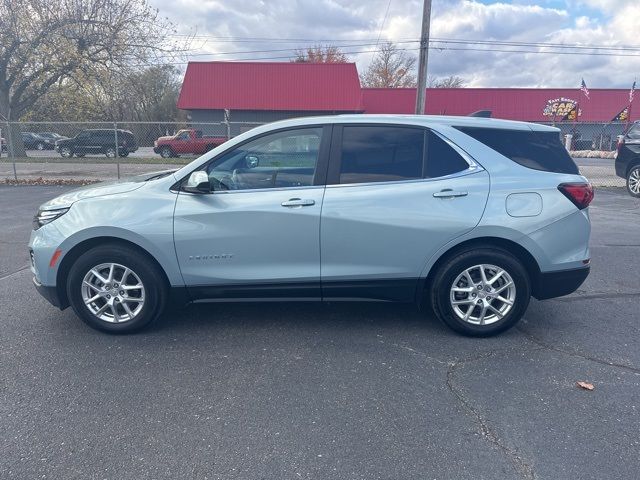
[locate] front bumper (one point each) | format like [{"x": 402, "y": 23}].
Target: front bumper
[
  {"x": 562, "y": 282},
  {"x": 50, "y": 294}
]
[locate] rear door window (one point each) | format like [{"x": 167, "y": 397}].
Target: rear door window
[
  {"x": 531, "y": 149},
  {"x": 381, "y": 154},
  {"x": 442, "y": 159}
]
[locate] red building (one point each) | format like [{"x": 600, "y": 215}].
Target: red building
[{"x": 260, "y": 92}]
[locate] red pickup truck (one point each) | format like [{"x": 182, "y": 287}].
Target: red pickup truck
[{"x": 186, "y": 141}]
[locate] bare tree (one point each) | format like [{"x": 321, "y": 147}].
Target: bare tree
[
  {"x": 390, "y": 68},
  {"x": 320, "y": 54},
  {"x": 452, "y": 81},
  {"x": 43, "y": 42}
]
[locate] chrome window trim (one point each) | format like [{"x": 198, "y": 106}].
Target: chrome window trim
[{"x": 462, "y": 173}]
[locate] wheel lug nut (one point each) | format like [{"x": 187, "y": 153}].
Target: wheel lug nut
[
  {"x": 473, "y": 294},
  {"x": 479, "y": 301},
  {"x": 121, "y": 292},
  {"x": 479, "y": 287},
  {"x": 116, "y": 285},
  {"x": 108, "y": 296},
  {"x": 116, "y": 299},
  {"x": 488, "y": 298}
]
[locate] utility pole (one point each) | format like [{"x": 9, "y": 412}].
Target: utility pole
[{"x": 424, "y": 57}]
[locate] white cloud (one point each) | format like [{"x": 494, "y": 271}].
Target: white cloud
[{"x": 590, "y": 22}]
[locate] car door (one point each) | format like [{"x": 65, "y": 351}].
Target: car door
[
  {"x": 395, "y": 195},
  {"x": 258, "y": 233},
  {"x": 82, "y": 142},
  {"x": 183, "y": 143}
]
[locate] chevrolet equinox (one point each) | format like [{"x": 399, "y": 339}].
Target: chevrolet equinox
[{"x": 471, "y": 216}]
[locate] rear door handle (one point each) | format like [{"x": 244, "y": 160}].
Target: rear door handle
[
  {"x": 298, "y": 202},
  {"x": 448, "y": 193}
]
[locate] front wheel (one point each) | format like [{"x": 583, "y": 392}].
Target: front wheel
[
  {"x": 166, "y": 152},
  {"x": 481, "y": 292},
  {"x": 66, "y": 152},
  {"x": 115, "y": 289},
  {"x": 110, "y": 152},
  {"x": 40, "y": 146},
  {"x": 633, "y": 181}
]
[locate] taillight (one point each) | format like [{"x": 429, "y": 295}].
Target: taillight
[
  {"x": 619, "y": 144},
  {"x": 580, "y": 194}
]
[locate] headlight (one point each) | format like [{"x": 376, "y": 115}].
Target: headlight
[{"x": 47, "y": 216}]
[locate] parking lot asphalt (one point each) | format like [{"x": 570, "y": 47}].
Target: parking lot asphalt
[{"x": 326, "y": 391}]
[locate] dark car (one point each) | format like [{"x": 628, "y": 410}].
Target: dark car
[
  {"x": 98, "y": 141},
  {"x": 628, "y": 159},
  {"x": 33, "y": 141}
]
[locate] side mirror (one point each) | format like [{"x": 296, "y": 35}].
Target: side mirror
[
  {"x": 252, "y": 161},
  {"x": 198, "y": 182}
]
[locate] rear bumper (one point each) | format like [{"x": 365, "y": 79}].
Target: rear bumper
[
  {"x": 50, "y": 294},
  {"x": 557, "y": 284}
]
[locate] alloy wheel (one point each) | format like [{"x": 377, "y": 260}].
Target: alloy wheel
[
  {"x": 113, "y": 293},
  {"x": 634, "y": 181},
  {"x": 483, "y": 294}
]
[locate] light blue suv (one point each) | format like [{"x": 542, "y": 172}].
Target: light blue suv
[{"x": 469, "y": 215}]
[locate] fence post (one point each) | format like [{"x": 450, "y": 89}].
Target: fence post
[
  {"x": 10, "y": 150},
  {"x": 227, "y": 117},
  {"x": 115, "y": 131},
  {"x": 567, "y": 141}
]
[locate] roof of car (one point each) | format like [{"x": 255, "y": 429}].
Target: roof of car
[{"x": 442, "y": 120}]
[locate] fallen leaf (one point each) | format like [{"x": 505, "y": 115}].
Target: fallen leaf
[{"x": 585, "y": 385}]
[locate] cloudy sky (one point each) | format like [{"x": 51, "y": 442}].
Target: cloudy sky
[{"x": 271, "y": 29}]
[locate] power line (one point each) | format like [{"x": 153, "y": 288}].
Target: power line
[{"x": 435, "y": 49}]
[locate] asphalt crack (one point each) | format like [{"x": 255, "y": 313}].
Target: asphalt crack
[
  {"x": 521, "y": 465},
  {"x": 595, "y": 296},
  {"x": 7, "y": 275},
  {"x": 576, "y": 354}
]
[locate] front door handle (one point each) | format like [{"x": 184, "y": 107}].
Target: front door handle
[
  {"x": 448, "y": 193},
  {"x": 298, "y": 202}
]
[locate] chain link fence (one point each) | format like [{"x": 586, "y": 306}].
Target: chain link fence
[{"x": 80, "y": 152}]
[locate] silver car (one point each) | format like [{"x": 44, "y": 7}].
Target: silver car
[{"x": 469, "y": 216}]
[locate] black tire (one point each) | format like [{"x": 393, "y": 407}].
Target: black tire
[
  {"x": 451, "y": 268},
  {"x": 66, "y": 152},
  {"x": 124, "y": 153},
  {"x": 167, "y": 152},
  {"x": 152, "y": 278},
  {"x": 80, "y": 155},
  {"x": 633, "y": 181},
  {"x": 40, "y": 146},
  {"x": 110, "y": 152}
]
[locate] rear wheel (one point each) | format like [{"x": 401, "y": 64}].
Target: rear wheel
[
  {"x": 633, "y": 181},
  {"x": 481, "y": 292},
  {"x": 40, "y": 146},
  {"x": 110, "y": 152},
  {"x": 115, "y": 289}
]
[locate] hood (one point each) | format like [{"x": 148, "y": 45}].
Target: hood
[
  {"x": 164, "y": 139},
  {"x": 102, "y": 189}
]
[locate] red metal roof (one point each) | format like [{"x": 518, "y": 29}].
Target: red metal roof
[
  {"x": 509, "y": 103},
  {"x": 271, "y": 86}
]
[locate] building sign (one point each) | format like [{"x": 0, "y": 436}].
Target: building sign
[
  {"x": 623, "y": 116},
  {"x": 560, "y": 107}
]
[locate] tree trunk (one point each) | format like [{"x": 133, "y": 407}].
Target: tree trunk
[{"x": 10, "y": 131}]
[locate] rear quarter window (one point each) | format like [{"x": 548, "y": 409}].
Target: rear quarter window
[{"x": 532, "y": 149}]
